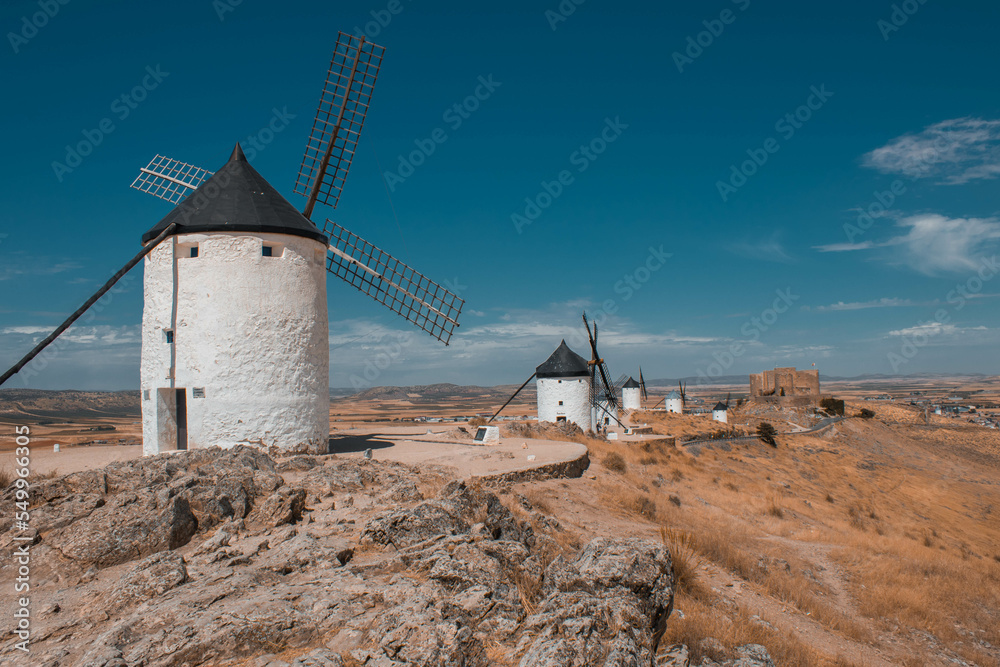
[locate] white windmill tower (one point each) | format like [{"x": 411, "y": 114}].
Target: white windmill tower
[
  {"x": 235, "y": 345},
  {"x": 674, "y": 403},
  {"x": 568, "y": 389},
  {"x": 563, "y": 388},
  {"x": 720, "y": 412},
  {"x": 631, "y": 395}
]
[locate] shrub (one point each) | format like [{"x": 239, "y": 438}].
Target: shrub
[
  {"x": 615, "y": 462},
  {"x": 865, "y": 413},
  {"x": 477, "y": 421},
  {"x": 766, "y": 433},
  {"x": 832, "y": 405}
]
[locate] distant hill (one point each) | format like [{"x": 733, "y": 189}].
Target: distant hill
[
  {"x": 15, "y": 403},
  {"x": 437, "y": 392}
]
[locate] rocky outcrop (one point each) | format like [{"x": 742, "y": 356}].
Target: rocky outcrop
[
  {"x": 604, "y": 608},
  {"x": 210, "y": 558},
  {"x": 131, "y": 509},
  {"x": 149, "y": 578},
  {"x": 749, "y": 655}
]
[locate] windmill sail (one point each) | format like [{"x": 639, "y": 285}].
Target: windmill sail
[
  {"x": 392, "y": 283},
  {"x": 169, "y": 179},
  {"x": 343, "y": 105}
]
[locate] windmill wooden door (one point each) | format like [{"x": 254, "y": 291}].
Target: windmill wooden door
[{"x": 181, "y": 403}]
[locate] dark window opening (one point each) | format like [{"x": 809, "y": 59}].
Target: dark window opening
[
  {"x": 560, "y": 402},
  {"x": 194, "y": 251},
  {"x": 560, "y": 419},
  {"x": 267, "y": 251},
  {"x": 170, "y": 336}
]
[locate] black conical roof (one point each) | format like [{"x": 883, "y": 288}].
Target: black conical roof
[
  {"x": 563, "y": 363},
  {"x": 237, "y": 199},
  {"x": 720, "y": 406},
  {"x": 631, "y": 384}
]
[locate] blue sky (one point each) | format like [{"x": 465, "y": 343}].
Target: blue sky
[{"x": 706, "y": 228}]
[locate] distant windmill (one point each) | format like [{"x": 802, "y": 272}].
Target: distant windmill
[
  {"x": 720, "y": 412},
  {"x": 562, "y": 393},
  {"x": 632, "y": 394},
  {"x": 235, "y": 344}
]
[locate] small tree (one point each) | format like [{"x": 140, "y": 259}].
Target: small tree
[
  {"x": 833, "y": 406},
  {"x": 766, "y": 433}
]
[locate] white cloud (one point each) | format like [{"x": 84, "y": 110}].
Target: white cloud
[
  {"x": 845, "y": 247},
  {"x": 884, "y": 302},
  {"x": 939, "y": 333},
  {"x": 28, "y": 331},
  {"x": 957, "y": 151},
  {"x": 933, "y": 244},
  {"x": 768, "y": 250}
]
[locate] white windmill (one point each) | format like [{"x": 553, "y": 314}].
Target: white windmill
[
  {"x": 720, "y": 412},
  {"x": 674, "y": 402},
  {"x": 572, "y": 389},
  {"x": 632, "y": 393},
  {"x": 235, "y": 342}
]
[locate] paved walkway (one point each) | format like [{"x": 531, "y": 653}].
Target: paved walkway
[{"x": 406, "y": 445}]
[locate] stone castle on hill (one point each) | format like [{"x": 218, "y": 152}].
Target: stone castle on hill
[{"x": 771, "y": 386}]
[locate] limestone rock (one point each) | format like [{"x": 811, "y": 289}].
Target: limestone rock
[
  {"x": 150, "y": 577},
  {"x": 603, "y": 608},
  {"x": 131, "y": 525},
  {"x": 282, "y": 507}
]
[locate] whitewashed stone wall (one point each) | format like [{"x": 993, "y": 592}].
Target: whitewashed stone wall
[
  {"x": 575, "y": 395},
  {"x": 251, "y": 331}
]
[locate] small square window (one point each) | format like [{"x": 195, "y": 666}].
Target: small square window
[
  {"x": 267, "y": 251},
  {"x": 145, "y": 394},
  {"x": 194, "y": 251},
  {"x": 560, "y": 402},
  {"x": 170, "y": 336}
]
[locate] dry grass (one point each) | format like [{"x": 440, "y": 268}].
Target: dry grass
[
  {"x": 868, "y": 497},
  {"x": 774, "y": 507},
  {"x": 529, "y": 590},
  {"x": 704, "y": 619},
  {"x": 6, "y": 477},
  {"x": 684, "y": 560},
  {"x": 615, "y": 462}
]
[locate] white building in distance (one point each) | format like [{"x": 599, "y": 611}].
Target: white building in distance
[
  {"x": 720, "y": 413},
  {"x": 563, "y": 385},
  {"x": 674, "y": 403},
  {"x": 631, "y": 395},
  {"x": 235, "y": 346}
]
